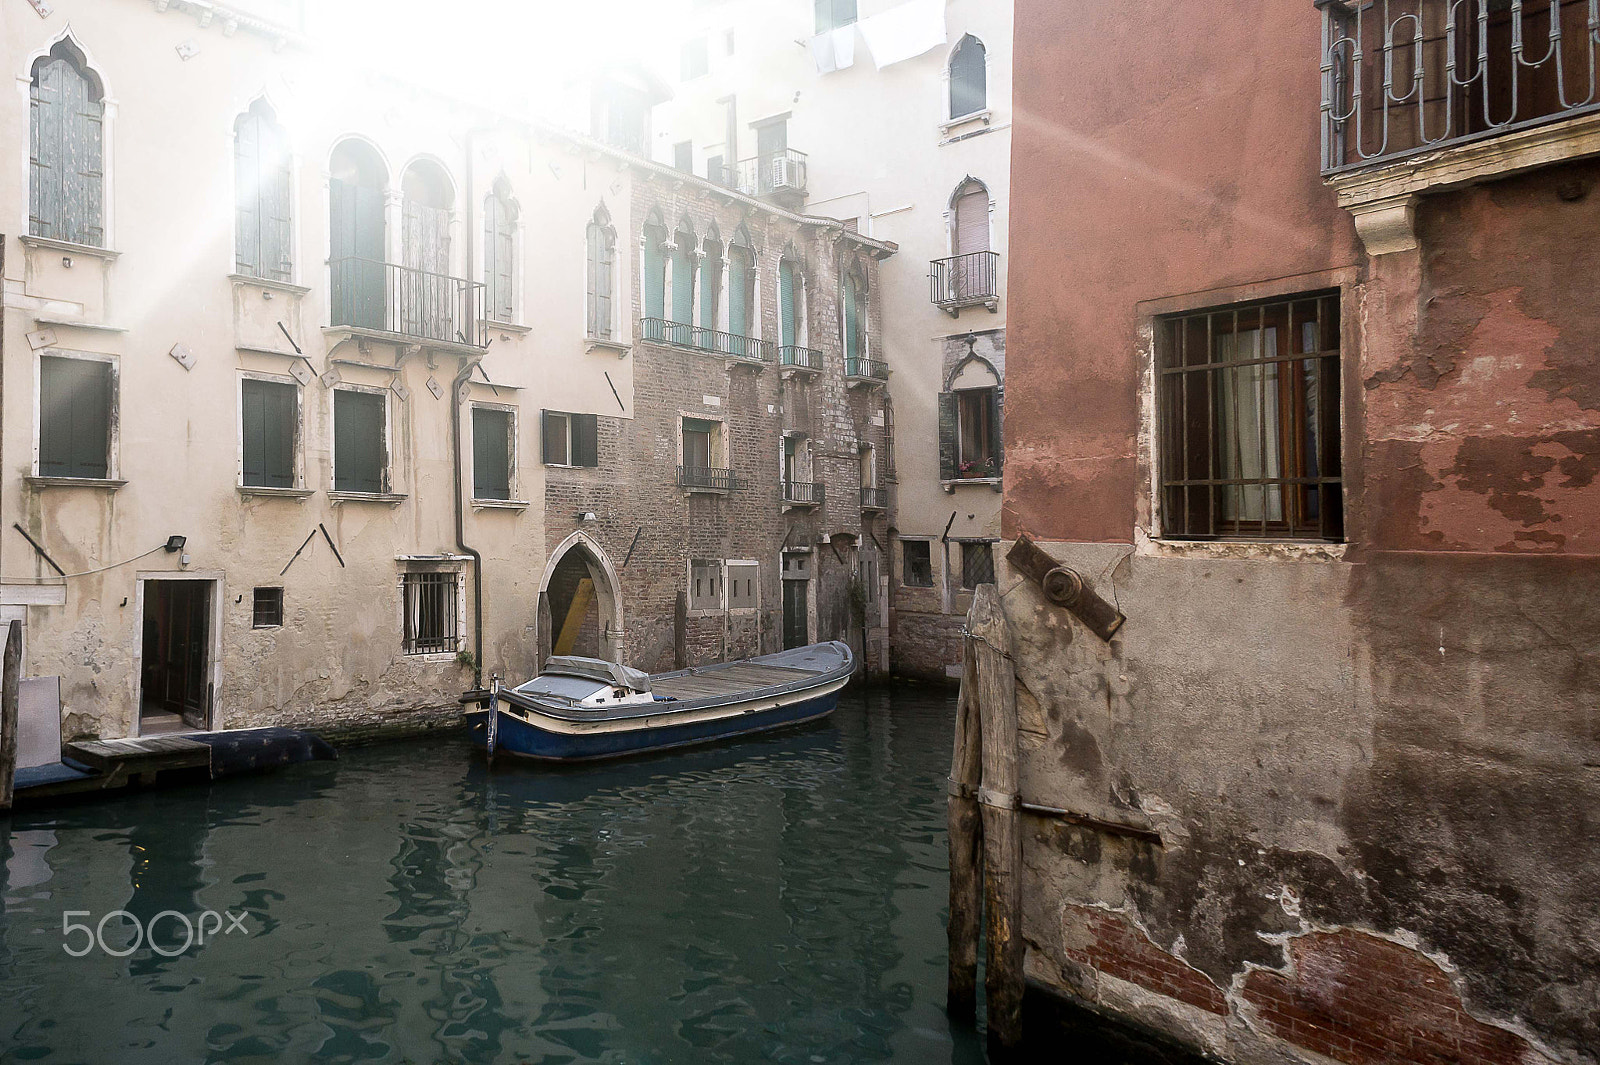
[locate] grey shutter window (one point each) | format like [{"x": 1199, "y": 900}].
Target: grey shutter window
[
  {"x": 682, "y": 280},
  {"x": 710, "y": 286},
  {"x": 553, "y": 437},
  {"x": 499, "y": 253},
  {"x": 601, "y": 267},
  {"x": 66, "y": 174},
  {"x": 739, "y": 293},
  {"x": 655, "y": 277},
  {"x": 969, "y": 77},
  {"x": 356, "y": 244},
  {"x": 358, "y": 442},
  {"x": 491, "y": 454},
  {"x": 585, "y": 440},
  {"x": 996, "y": 437},
  {"x": 948, "y": 422},
  {"x": 74, "y": 418},
  {"x": 247, "y": 197},
  {"x": 267, "y": 418},
  {"x": 277, "y": 228},
  {"x": 262, "y": 198}
]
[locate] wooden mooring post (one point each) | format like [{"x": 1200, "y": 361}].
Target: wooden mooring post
[
  {"x": 966, "y": 851},
  {"x": 10, "y": 691},
  {"x": 989, "y": 702}
]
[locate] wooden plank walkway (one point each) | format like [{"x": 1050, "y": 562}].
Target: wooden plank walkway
[
  {"x": 146, "y": 755},
  {"x": 726, "y": 680}
]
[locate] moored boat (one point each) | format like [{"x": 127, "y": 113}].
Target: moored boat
[{"x": 578, "y": 709}]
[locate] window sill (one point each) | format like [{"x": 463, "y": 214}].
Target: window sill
[
  {"x": 985, "y": 116},
  {"x": 266, "y": 492},
  {"x": 698, "y": 491},
  {"x": 438, "y": 657},
  {"x": 1240, "y": 550},
  {"x": 103, "y": 484},
  {"x": 271, "y": 283},
  {"x": 619, "y": 347},
  {"x": 500, "y": 504},
  {"x": 489, "y": 325},
  {"x": 67, "y": 247},
  {"x": 991, "y": 482},
  {"x": 77, "y": 323},
  {"x": 392, "y": 499}
]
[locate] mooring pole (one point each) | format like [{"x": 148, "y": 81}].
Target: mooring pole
[
  {"x": 10, "y": 689},
  {"x": 989, "y": 637},
  {"x": 966, "y": 847}
]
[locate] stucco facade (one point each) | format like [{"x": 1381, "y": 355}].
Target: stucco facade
[{"x": 1369, "y": 753}]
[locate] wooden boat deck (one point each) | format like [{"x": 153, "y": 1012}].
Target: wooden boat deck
[{"x": 714, "y": 681}]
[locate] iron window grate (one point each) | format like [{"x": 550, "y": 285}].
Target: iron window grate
[{"x": 430, "y": 613}]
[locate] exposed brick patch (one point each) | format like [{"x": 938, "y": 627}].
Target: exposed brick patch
[
  {"x": 1364, "y": 1000},
  {"x": 1109, "y": 943}
]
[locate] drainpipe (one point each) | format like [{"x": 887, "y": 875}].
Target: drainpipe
[{"x": 457, "y": 390}]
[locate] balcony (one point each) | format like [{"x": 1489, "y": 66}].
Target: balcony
[
  {"x": 868, "y": 372},
  {"x": 803, "y": 493},
  {"x": 707, "y": 479},
  {"x": 971, "y": 280},
  {"x": 393, "y": 302},
  {"x": 736, "y": 349},
  {"x": 781, "y": 174},
  {"x": 874, "y": 499},
  {"x": 793, "y": 359}
]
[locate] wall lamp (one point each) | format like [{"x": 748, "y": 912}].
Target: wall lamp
[{"x": 175, "y": 543}]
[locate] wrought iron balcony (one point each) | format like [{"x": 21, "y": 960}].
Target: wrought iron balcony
[
  {"x": 970, "y": 280},
  {"x": 794, "y": 357},
  {"x": 1407, "y": 76},
  {"x": 803, "y": 493},
  {"x": 714, "y": 341},
  {"x": 707, "y": 479},
  {"x": 866, "y": 371},
  {"x": 775, "y": 172},
  {"x": 874, "y": 499},
  {"x": 406, "y": 302}
]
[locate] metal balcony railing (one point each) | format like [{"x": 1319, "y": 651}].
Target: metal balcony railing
[
  {"x": 708, "y": 478},
  {"x": 1407, "y": 76},
  {"x": 390, "y": 298},
  {"x": 783, "y": 171},
  {"x": 796, "y": 357},
  {"x": 965, "y": 280},
  {"x": 866, "y": 369},
  {"x": 874, "y": 499},
  {"x": 803, "y": 493},
  {"x": 700, "y": 338}
]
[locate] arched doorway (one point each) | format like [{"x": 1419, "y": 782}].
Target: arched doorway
[{"x": 580, "y": 609}]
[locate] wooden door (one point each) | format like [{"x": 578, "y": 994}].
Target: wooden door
[
  {"x": 427, "y": 296},
  {"x": 177, "y": 649},
  {"x": 795, "y": 628}
]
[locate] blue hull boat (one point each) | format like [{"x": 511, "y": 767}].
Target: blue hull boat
[{"x": 580, "y": 709}]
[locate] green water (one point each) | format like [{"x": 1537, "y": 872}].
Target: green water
[{"x": 781, "y": 899}]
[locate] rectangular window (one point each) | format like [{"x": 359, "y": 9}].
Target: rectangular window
[
  {"x": 683, "y": 156},
  {"x": 695, "y": 59},
  {"x": 916, "y": 565},
  {"x": 742, "y": 580},
  {"x": 75, "y": 411},
  {"x": 267, "y": 611},
  {"x": 977, "y": 563},
  {"x": 491, "y": 453},
  {"x": 571, "y": 439},
  {"x": 714, "y": 170},
  {"x": 699, "y": 444},
  {"x": 1248, "y": 403},
  {"x": 430, "y": 611},
  {"x": 269, "y": 418},
  {"x": 360, "y": 445},
  {"x": 831, "y": 14},
  {"x": 705, "y": 584},
  {"x": 977, "y": 415}
]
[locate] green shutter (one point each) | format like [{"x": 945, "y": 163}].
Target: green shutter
[
  {"x": 655, "y": 278},
  {"x": 710, "y": 287},
  {"x": 585, "y": 440},
  {"x": 491, "y": 454},
  {"x": 247, "y": 197},
  {"x": 358, "y": 443},
  {"x": 74, "y": 418},
  {"x": 996, "y": 437},
  {"x": 948, "y": 420},
  {"x": 267, "y": 420},
  {"x": 852, "y": 320},
  {"x": 683, "y": 283},
  {"x": 738, "y": 294},
  {"x": 786, "y": 304}
]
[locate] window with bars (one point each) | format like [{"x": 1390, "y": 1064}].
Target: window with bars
[
  {"x": 430, "y": 609},
  {"x": 267, "y": 609},
  {"x": 977, "y": 563},
  {"x": 1248, "y": 401}
]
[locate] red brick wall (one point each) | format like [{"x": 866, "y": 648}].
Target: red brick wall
[{"x": 1109, "y": 943}]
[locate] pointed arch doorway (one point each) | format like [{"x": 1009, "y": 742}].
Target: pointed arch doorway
[{"x": 580, "y": 604}]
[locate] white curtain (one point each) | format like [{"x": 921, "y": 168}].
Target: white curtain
[{"x": 1247, "y": 398}]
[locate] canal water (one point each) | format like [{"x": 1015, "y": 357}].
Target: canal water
[{"x": 781, "y": 899}]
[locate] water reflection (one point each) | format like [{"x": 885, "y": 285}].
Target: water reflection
[{"x": 779, "y": 900}]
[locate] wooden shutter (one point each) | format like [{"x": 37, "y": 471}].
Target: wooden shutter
[
  {"x": 949, "y": 416},
  {"x": 655, "y": 277},
  {"x": 710, "y": 286},
  {"x": 852, "y": 320},
  {"x": 738, "y": 293},
  {"x": 277, "y": 205},
  {"x": 585, "y": 440},
  {"x": 996, "y": 437},
  {"x": 74, "y": 418},
  {"x": 969, "y": 78},
  {"x": 786, "y": 304},
  {"x": 972, "y": 221},
  {"x": 553, "y": 437},
  {"x": 359, "y": 453},
  {"x": 267, "y": 419},
  {"x": 683, "y": 281},
  {"x": 491, "y": 454},
  {"x": 499, "y": 255},
  {"x": 247, "y": 197},
  {"x": 65, "y": 166}
]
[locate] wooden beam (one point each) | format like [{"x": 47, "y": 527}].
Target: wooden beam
[{"x": 10, "y": 692}]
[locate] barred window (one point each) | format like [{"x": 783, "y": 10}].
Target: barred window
[
  {"x": 429, "y": 609},
  {"x": 1249, "y": 410},
  {"x": 266, "y": 610},
  {"x": 977, "y": 563}
]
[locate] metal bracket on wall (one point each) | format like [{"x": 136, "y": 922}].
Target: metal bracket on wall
[{"x": 1066, "y": 588}]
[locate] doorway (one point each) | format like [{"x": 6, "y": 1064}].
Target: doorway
[
  {"x": 795, "y": 596},
  {"x": 175, "y": 676}
]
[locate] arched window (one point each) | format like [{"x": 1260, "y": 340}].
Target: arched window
[
  {"x": 655, "y": 276},
  {"x": 855, "y": 319},
  {"x": 683, "y": 281},
  {"x": 66, "y": 173},
  {"x": 263, "y": 207},
  {"x": 430, "y": 305},
  {"x": 790, "y": 303},
  {"x": 602, "y": 256},
  {"x": 969, "y": 78},
  {"x": 741, "y": 288},
  {"x": 356, "y": 236},
  {"x": 710, "y": 286},
  {"x": 500, "y": 253},
  {"x": 972, "y": 270}
]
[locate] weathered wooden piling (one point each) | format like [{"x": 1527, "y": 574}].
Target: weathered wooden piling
[
  {"x": 10, "y": 691},
  {"x": 966, "y": 851}
]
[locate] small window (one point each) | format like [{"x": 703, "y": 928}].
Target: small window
[
  {"x": 430, "y": 610},
  {"x": 269, "y": 419},
  {"x": 695, "y": 61},
  {"x": 700, "y": 438},
  {"x": 978, "y": 415},
  {"x": 75, "y": 411},
  {"x": 977, "y": 563},
  {"x": 492, "y": 441},
  {"x": 683, "y": 156},
  {"x": 742, "y": 580},
  {"x": 916, "y": 567},
  {"x": 360, "y": 442},
  {"x": 831, "y": 14},
  {"x": 705, "y": 584},
  {"x": 969, "y": 78},
  {"x": 571, "y": 439},
  {"x": 267, "y": 611},
  {"x": 796, "y": 565}
]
